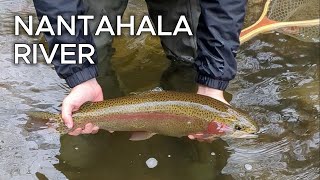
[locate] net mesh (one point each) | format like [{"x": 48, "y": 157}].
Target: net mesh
[{"x": 296, "y": 10}]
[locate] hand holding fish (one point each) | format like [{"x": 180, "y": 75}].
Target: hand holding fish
[{"x": 89, "y": 91}]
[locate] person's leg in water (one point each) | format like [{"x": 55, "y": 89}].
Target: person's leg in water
[
  {"x": 112, "y": 9},
  {"x": 180, "y": 49}
]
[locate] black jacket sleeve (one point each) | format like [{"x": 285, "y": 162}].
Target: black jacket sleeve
[
  {"x": 218, "y": 33},
  {"x": 76, "y": 73}
]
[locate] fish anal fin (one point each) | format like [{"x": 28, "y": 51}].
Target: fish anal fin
[{"x": 140, "y": 136}]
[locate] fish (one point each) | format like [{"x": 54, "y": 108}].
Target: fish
[{"x": 168, "y": 113}]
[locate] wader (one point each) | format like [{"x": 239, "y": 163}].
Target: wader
[
  {"x": 216, "y": 25},
  {"x": 181, "y": 49}
]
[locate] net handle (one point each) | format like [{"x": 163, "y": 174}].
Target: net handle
[
  {"x": 262, "y": 16},
  {"x": 254, "y": 31}
]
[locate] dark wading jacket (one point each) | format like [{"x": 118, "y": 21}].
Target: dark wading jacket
[{"x": 217, "y": 35}]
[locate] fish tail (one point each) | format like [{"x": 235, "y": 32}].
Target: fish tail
[
  {"x": 50, "y": 118},
  {"x": 43, "y": 116}
]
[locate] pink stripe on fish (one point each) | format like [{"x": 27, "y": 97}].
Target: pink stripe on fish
[{"x": 149, "y": 115}]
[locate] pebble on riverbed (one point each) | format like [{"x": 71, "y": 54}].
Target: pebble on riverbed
[{"x": 152, "y": 163}]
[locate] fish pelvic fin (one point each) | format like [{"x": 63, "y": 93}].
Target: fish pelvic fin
[{"x": 140, "y": 136}]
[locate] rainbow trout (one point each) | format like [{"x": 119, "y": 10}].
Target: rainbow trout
[{"x": 167, "y": 113}]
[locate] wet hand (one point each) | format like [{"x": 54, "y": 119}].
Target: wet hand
[
  {"x": 88, "y": 129},
  {"x": 213, "y": 93},
  {"x": 201, "y": 137},
  {"x": 89, "y": 91}
]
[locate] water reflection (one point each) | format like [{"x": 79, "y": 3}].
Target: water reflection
[{"x": 105, "y": 155}]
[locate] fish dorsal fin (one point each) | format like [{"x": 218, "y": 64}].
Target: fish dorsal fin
[
  {"x": 154, "y": 90},
  {"x": 140, "y": 136}
]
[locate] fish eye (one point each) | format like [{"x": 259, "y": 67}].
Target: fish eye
[{"x": 237, "y": 127}]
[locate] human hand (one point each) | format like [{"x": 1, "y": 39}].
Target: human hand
[
  {"x": 89, "y": 91},
  {"x": 201, "y": 137},
  {"x": 213, "y": 93}
]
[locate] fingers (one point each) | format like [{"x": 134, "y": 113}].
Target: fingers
[
  {"x": 66, "y": 112},
  {"x": 88, "y": 129},
  {"x": 95, "y": 130},
  {"x": 76, "y": 132},
  {"x": 191, "y": 137},
  {"x": 195, "y": 136},
  {"x": 201, "y": 137}
]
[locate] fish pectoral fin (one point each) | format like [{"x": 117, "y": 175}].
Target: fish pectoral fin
[{"x": 140, "y": 136}]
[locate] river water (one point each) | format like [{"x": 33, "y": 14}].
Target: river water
[{"x": 277, "y": 84}]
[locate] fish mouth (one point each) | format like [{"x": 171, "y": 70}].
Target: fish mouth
[{"x": 248, "y": 136}]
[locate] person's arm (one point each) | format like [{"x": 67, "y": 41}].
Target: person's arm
[
  {"x": 218, "y": 33},
  {"x": 74, "y": 74},
  {"x": 79, "y": 77}
]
